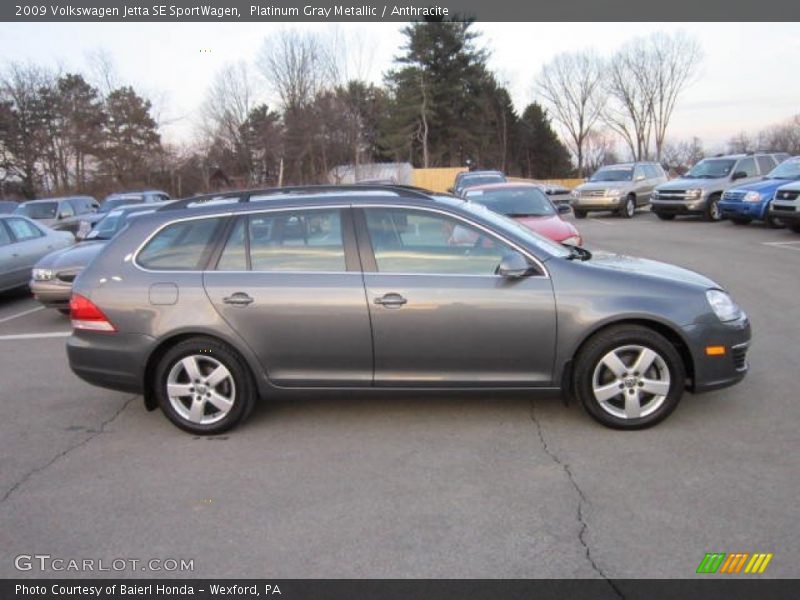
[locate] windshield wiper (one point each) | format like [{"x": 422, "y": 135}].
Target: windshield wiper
[{"x": 577, "y": 253}]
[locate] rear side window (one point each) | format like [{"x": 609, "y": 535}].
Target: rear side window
[
  {"x": 765, "y": 164},
  {"x": 4, "y": 237},
  {"x": 183, "y": 246},
  {"x": 297, "y": 240},
  {"x": 23, "y": 230}
]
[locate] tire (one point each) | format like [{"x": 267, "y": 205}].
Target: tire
[
  {"x": 712, "y": 212},
  {"x": 628, "y": 210},
  {"x": 773, "y": 222},
  {"x": 739, "y": 221},
  {"x": 63, "y": 311},
  {"x": 579, "y": 214},
  {"x": 665, "y": 216},
  {"x": 207, "y": 408},
  {"x": 665, "y": 377},
  {"x": 795, "y": 227}
]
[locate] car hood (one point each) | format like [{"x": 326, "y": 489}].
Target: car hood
[
  {"x": 686, "y": 184},
  {"x": 74, "y": 257},
  {"x": 763, "y": 185},
  {"x": 552, "y": 227},
  {"x": 643, "y": 266}
]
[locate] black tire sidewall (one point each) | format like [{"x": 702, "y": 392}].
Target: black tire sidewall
[
  {"x": 713, "y": 202},
  {"x": 602, "y": 343},
  {"x": 579, "y": 214},
  {"x": 244, "y": 398},
  {"x": 624, "y": 211}
]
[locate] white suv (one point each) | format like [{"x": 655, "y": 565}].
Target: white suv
[{"x": 786, "y": 205}]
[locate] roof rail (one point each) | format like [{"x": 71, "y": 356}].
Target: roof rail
[{"x": 244, "y": 195}]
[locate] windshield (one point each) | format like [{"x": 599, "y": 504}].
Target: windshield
[
  {"x": 504, "y": 223},
  {"x": 789, "y": 169},
  {"x": 514, "y": 202},
  {"x": 112, "y": 203},
  {"x": 613, "y": 174},
  {"x": 711, "y": 168},
  {"x": 38, "y": 210},
  {"x": 112, "y": 224},
  {"x": 474, "y": 180}
]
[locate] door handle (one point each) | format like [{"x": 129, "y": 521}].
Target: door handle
[
  {"x": 391, "y": 300},
  {"x": 238, "y": 299}
]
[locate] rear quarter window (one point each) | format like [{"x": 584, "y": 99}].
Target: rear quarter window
[{"x": 183, "y": 246}]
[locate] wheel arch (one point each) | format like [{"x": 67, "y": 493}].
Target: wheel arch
[
  {"x": 668, "y": 331},
  {"x": 163, "y": 346}
]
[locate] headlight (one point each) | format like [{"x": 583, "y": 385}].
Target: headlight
[
  {"x": 723, "y": 305},
  {"x": 43, "y": 274},
  {"x": 694, "y": 193},
  {"x": 752, "y": 197},
  {"x": 613, "y": 192},
  {"x": 574, "y": 240}
]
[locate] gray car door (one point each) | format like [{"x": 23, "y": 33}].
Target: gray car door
[
  {"x": 440, "y": 315},
  {"x": 7, "y": 257},
  {"x": 30, "y": 245},
  {"x": 289, "y": 282}
]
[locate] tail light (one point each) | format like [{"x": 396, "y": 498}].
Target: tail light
[{"x": 85, "y": 315}]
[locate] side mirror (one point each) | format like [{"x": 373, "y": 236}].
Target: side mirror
[
  {"x": 739, "y": 175},
  {"x": 640, "y": 178},
  {"x": 563, "y": 208},
  {"x": 513, "y": 266}
]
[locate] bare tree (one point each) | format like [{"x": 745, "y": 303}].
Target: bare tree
[
  {"x": 676, "y": 59},
  {"x": 741, "y": 143},
  {"x": 295, "y": 66},
  {"x": 681, "y": 156},
  {"x": 570, "y": 87},
  {"x": 784, "y": 137},
  {"x": 600, "y": 150}
]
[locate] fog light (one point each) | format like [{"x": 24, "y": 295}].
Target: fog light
[{"x": 715, "y": 350}]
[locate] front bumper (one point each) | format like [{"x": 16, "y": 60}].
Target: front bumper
[
  {"x": 719, "y": 371},
  {"x": 110, "y": 360},
  {"x": 597, "y": 203},
  {"x": 788, "y": 213},
  {"x": 53, "y": 293},
  {"x": 679, "y": 207},
  {"x": 741, "y": 210}
]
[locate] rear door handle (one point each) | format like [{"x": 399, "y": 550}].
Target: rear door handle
[
  {"x": 391, "y": 300},
  {"x": 238, "y": 299}
]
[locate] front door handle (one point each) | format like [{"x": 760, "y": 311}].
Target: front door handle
[
  {"x": 391, "y": 300},
  {"x": 238, "y": 299}
]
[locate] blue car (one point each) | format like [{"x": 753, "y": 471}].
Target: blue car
[{"x": 750, "y": 201}]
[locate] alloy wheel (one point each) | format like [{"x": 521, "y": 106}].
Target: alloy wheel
[
  {"x": 201, "y": 389},
  {"x": 631, "y": 382}
]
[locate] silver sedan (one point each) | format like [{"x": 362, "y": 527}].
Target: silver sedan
[{"x": 22, "y": 243}]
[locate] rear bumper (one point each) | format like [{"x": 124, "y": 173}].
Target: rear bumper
[
  {"x": 716, "y": 372},
  {"x": 110, "y": 360}
]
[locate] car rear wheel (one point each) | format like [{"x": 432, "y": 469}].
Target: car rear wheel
[
  {"x": 795, "y": 227},
  {"x": 629, "y": 377},
  {"x": 665, "y": 216},
  {"x": 738, "y": 221},
  {"x": 204, "y": 387},
  {"x": 579, "y": 214},
  {"x": 629, "y": 208},
  {"x": 712, "y": 212}
]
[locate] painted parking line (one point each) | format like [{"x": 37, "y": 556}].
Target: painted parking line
[
  {"x": 34, "y": 336},
  {"x": 21, "y": 314},
  {"x": 785, "y": 245}
]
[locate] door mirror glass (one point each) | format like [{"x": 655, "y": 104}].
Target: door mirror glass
[
  {"x": 739, "y": 175},
  {"x": 563, "y": 208},
  {"x": 514, "y": 265}
]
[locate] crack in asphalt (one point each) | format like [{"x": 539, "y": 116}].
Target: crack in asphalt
[
  {"x": 63, "y": 453},
  {"x": 584, "y": 526}
]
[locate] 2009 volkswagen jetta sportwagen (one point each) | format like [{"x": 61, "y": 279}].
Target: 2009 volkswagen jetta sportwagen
[{"x": 206, "y": 310}]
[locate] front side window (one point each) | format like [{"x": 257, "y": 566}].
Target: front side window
[
  {"x": 765, "y": 164},
  {"x": 421, "y": 242},
  {"x": 23, "y": 230},
  {"x": 182, "y": 246},
  {"x": 5, "y": 238},
  {"x": 66, "y": 211},
  {"x": 292, "y": 240}
]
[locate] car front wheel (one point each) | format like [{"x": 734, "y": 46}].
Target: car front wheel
[
  {"x": 579, "y": 214},
  {"x": 629, "y": 377},
  {"x": 204, "y": 387},
  {"x": 629, "y": 208},
  {"x": 713, "y": 212}
]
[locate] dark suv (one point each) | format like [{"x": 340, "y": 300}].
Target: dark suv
[{"x": 374, "y": 288}]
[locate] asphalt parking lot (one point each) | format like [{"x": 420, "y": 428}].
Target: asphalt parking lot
[{"x": 420, "y": 486}]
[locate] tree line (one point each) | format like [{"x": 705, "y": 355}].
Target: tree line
[{"x": 439, "y": 105}]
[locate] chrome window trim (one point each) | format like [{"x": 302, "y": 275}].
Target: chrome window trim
[{"x": 539, "y": 263}]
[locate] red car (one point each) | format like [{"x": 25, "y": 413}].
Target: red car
[{"x": 530, "y": 206}]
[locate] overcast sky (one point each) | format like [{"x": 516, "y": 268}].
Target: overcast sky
[{"x": 749, "y": 76}]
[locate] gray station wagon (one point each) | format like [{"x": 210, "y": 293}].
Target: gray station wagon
[{"x": 375, "y": 289}]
